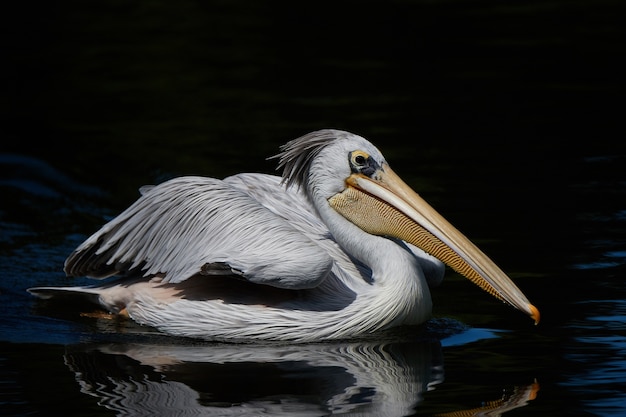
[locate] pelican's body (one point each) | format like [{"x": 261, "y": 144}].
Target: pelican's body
[{"x": 328, "y": 251}]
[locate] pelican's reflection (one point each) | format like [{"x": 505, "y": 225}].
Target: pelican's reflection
[{"x": 360, "y": 378}]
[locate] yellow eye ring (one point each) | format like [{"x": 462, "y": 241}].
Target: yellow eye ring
[{"x": 359, "y": 158}]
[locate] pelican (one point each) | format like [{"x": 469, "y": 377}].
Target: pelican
[{"x": 338, "y": 247}]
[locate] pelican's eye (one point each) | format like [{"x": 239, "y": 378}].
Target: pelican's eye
[
  {"x": 362, "y": 163},
  {"x": 359, "y": 160}
]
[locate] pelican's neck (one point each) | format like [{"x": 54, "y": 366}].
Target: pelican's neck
[{"x": 400, "y": 289}]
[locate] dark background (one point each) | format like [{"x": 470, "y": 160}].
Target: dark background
[{"x": 153, "y": 85}]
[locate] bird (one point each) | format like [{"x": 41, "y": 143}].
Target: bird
[{"x": 337, "y": 247}]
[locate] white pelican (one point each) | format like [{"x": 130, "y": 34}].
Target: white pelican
[{"x": 336, "y": 248}]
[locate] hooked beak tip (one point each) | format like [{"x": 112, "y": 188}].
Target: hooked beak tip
[{"x": 534, "y": 313}]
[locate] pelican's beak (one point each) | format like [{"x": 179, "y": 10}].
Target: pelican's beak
[{"x": 384, "y": 205}]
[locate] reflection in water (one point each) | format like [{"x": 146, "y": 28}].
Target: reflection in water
[
  {"x": 519, "y": 397},
  {"x": 367, "y": 379},
  {"x": 225, "y": 379}
]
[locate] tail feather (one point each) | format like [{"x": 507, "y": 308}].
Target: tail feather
[
  {"x": 67, "y": 293},
  {"x": 112, "y": 296}
]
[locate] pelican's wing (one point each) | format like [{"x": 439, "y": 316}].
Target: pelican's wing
[
  {"x": 293, "y": 206},
  {"x": 289, "y": 204},
  {"x": 196, "y": 225}
]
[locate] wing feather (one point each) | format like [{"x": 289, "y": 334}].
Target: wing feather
[{"x": 176, "y": 228}]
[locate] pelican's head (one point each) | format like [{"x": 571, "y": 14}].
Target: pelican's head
[{"x": 353, "y": 176}]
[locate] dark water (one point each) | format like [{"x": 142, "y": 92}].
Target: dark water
[{"x": 507, "y": 117}]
